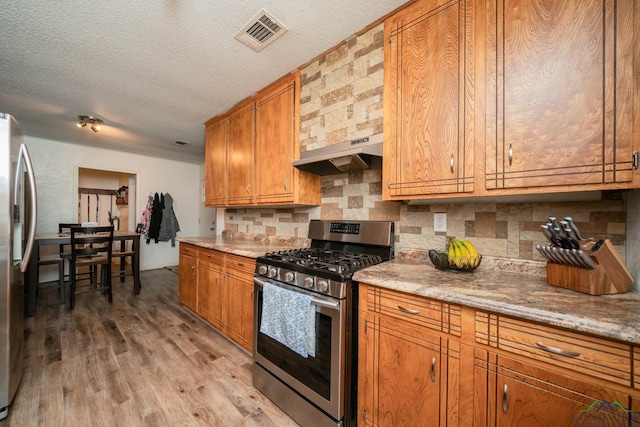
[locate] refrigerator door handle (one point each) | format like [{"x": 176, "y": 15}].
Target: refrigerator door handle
[{"x": 23, "y": 155}]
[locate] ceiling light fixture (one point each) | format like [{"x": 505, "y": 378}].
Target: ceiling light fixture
[{"x": 96, "y": 123}]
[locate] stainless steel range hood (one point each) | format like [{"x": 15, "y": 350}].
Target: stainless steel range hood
[{"x": 361, "y": 153}]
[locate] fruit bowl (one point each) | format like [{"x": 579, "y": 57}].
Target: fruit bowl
[{"x": 442, "y": 261}]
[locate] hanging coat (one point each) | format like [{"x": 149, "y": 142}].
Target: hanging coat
[
  {"x": 169, "y": 226},
  {"x": 156, "y": 219},
  {"x": 145, "y": 218}
]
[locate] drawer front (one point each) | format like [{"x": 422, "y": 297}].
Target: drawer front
[
  {"x": 211, "y": 257},
  {"x": 239, "y": 265},
  {"x": 422, "y": 311},
  {"x": 188, "y": 250},
  {"x": 597, "y": 357}
]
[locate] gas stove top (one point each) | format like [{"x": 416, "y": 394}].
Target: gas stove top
[
  {"x": 333, "y": 261},
  {"x": 338, "y": 249}
]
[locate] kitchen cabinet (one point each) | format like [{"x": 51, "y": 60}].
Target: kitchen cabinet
[
  {"x": 211, "y": 286},
  {"x": 559, "y": 94},
  {"x": 250, "y": 149},
  {"x": 408, "y": 370},
  {"x": 238, "y": 308},
  {"x": 424, "y": 362},
  {"x": 240, "y": 155},
  {"x": 218, "y": 287},
  {"x": 277, "y": 146},
  {"x": 519, "y": 394},
  {"x": 188, "y": 274},
  {"x": 428, "y": 100},
  {"x": 215, "y": 159}
]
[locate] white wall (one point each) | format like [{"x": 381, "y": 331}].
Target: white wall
[{"x": 56, "y": 168}]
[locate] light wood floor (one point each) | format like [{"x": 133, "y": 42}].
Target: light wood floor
[{"x": 141, "y": 361}]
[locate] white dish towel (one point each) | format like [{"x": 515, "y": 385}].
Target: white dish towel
[{"x": 289, "y": 318}]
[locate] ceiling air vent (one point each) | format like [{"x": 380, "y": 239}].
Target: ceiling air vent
[{"x": 262, "y": 30}]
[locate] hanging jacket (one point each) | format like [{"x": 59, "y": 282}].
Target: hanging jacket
[
  {"x": 156, "y": 219},
  {"x": 169, "y": 226},
  {"x": 145, "y": 218}
]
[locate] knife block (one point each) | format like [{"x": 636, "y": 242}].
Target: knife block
[{"x": 609, "y": 277}]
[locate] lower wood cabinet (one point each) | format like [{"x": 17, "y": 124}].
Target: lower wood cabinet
[
  {"x": 188, "y": 273},
  {"x": 519, "y": 394},
  {"x": 424, "y": 362},
  {"x": 218, "y": 287}
]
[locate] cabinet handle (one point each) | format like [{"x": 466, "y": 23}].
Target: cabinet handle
[
  {"x": 408, "y": 310},
  {"x": 451, "y": 163},
  {"x": 556, "y": 350},
  {"x": 389, "y": 183},
  {"x": 505, "y": 399},
  {"x": 510, "y": 154},
  {"x": 284, "y": 184},
  {"x": 193, "y": 269},
  {"x": 248, "y": 189},
  {"x": 433, "y": 370},
  {"x": 220, "y": 192}
]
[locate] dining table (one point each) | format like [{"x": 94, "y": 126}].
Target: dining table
[{"x": 33, "y": 272}]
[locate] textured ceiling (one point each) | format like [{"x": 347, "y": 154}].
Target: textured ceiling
[{"x": 156, "y": 70}]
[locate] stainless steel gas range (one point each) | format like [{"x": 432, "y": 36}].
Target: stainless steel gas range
[{"x": 305, "y": 331}]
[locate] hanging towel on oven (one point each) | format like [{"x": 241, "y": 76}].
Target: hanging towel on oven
[{"x": 289, "y": 318}]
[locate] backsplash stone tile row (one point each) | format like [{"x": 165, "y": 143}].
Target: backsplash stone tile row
[{"x": 505, "y": 230}]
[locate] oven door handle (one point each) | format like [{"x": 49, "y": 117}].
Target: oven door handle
[
  {"x": 315, "y": 301},
  {"x": 327, "y": 304}
]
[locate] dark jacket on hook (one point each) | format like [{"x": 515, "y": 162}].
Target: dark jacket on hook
[
  {"x": 156, "y": 219},
  {"x": 169, "y": 226}
]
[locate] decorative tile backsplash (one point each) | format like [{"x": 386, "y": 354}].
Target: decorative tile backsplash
[{"x": 509, "y": 230}]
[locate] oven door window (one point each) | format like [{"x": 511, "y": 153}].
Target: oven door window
[{"x": 313, "y": 372}]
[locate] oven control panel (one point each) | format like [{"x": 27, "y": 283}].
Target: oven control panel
[{"x": 344, "y": 228}]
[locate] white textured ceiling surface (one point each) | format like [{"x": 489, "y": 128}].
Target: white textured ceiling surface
[{"x": 155, "y": 70}]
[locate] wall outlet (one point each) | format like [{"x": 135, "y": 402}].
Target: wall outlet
[{"x": 440, "y": 222}]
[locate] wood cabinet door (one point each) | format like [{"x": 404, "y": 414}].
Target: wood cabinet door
[
  {"x": 274, "y": 144},
  {"x": 404, "y": 363},
  {"x": 187, "y": 282},
  {"x": 521, "y": 394},
  {"x": 239, "y": 310},
  {"x": 215, "y": 161},
  {"x": 559, "y": 92},
  {"x": 240, "y": 155},
  {"x": 428, "y": 97},
  {"x": 210, "y": 293}
]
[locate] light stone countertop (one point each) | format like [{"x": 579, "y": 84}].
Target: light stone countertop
[
  {"x": 513, "y": 294},
  {"x": 244, "y": 247}
]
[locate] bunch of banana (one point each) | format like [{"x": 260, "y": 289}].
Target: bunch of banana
[{"x": 463, "y": 254}]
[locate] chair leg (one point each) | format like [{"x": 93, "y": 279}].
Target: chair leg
[
  {"x": 72, "y": 287},
  {"x": 61, "y": 282},
  {"x": 108, "y": 281}
]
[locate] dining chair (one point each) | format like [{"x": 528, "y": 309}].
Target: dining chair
[
  {"x": 57, "y": 260},
  {"x": 125, "y": 262},
  {"x": 91, "y": 247}
]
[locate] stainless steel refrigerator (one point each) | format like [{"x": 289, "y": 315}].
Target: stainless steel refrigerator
[{"x": 17, "y": 231}]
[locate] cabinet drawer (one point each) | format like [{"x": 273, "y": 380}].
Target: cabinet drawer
[
  {"x": 188, "y": 250},
  {"x": 239, "y": 265},
  {"x": 422, "y": 311},
  {"x": 211, "y": 257},
  {"x": 597, "y": 357}
]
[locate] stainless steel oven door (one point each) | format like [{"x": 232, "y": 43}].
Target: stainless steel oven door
[{"x": 319, "y": 379}]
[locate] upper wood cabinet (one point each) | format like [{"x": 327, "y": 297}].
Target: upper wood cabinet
[
  {"x": 559, "y": 93},
  {"x": 240, "y": 154},
  {"x": 428, "y": 100},
  {"x": 277, "y": 146},
  {"x": 215, "y": 159},
  {"x": 260, "y": 140}
]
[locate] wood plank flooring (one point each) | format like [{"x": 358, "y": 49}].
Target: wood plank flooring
[{"x": 141, "y": 361}]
